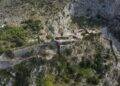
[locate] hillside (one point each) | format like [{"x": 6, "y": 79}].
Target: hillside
[
  {"x": 59, "y": 43},
  {"x": 15, "y": 11}
]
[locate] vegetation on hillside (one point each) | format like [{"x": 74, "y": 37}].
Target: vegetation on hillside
[
  {"x": 84, "y": 63},
  {"x": 34, "y": 27},
  {"x": 65, "y": 69},
  {"x": 11, "y": 37}
]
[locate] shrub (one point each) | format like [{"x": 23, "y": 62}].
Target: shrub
[
  {"x": 4, "y": 46},
  {"x": 86, "y": 72},
  {"x": 22, "y": 74},
  {"x": 49, "y": 80},
  {"x": 5, "y": 76},
  {"x": 34, "y": 27},
  {"x": 85, "y": 22},
  {"x": 67, "y": 52},
  {"x": 93, "y": 80},
  {"x": 9, "y": 54},
  {"x": 17, "y": 36}
]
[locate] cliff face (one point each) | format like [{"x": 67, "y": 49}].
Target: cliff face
[
  {"x": 90, "y": 8},
  {"x": 108, "y": 10}
]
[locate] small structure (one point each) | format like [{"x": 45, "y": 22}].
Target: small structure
[{"x": 63, "y": 42}]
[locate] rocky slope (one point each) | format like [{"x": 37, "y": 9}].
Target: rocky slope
[
  {"x": 15, "y": 11},
  {"x": 108, "y": 10},
  {"x": 85, "y": 63}
]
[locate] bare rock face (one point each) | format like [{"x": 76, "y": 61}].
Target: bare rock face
[
  {"x": 108, "y": 10},
  {"x": 91, "y": 8},
  {"x": 84, "y": 8},
  {"x": 13, "y": 12},
  {"x": 61, "y": 22}
]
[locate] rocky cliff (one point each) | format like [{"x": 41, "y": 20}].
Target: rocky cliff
[
  {"x": 107, "y": 10},
  {"x": 86, "y": 62},
  {"x": 15, "y": 11}
]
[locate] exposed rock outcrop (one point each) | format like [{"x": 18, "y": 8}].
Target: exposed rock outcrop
[
  {"x": 106, "y": 9},
  {"x": 90, "y": 8}
]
